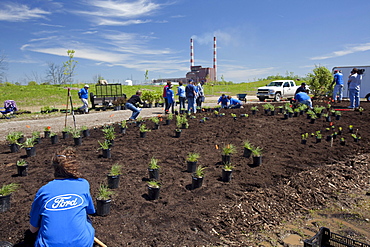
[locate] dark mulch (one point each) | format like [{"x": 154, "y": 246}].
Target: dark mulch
[{"x": 292, "y": 179}]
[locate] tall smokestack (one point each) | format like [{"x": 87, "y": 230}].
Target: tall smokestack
[
  {"x": 214, "y": 58},
  {"x": 191, "y": 53}
]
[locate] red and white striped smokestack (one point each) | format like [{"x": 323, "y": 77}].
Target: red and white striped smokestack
[
  {"x": 191, "y": 53},
  {"x": 214, "y": 58}
]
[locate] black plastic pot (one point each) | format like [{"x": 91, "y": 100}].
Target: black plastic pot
[
  {"x": 247, "y": 153},
  {"x": 318, "y": 140},
  {"x": 4, "y": 203},
  {"x": 86, "y": 133},
  {"x": 257, "y": 160},
  {"x": 272, "y": 113},
  {"x": 22, "y": 170},
  {"x": 226, "y": 159},
  {"x": 153, "y": 193},
  {"x": 328, "y": 119},
  {"x": 196, "y": 182},
  {"x": 31, "y": 152},
  {"x": 65, "y": 135},
  {"x": 304, "y": 141},
  {"x": 54, "y": 139},
  {"x": 192, "y": 166},
  {"x": 46, "y": 134},
  {"x": 337, "y": 117},
  {"x": 156, "y": 126},
  {"x": 14, "y": 148},
  {"x": 107, "y": 153},
  {"x": 177, "y": 134},
  {"x": 37, "y": 140},
  {"x": 313, "y": 120},
  {"x": 113, "y": 181},
  {"x": 122, "y": 130},
  {"x": 77, "y": 141},
  {"x": 142, "y": 134},
  {"x": 153, "y": 174},
  {"x": 226, "y": 175},
  {"x": 343, "y": 143},
  {"x": 103, "y": 207},
  {"x": 168, "y": 121}
]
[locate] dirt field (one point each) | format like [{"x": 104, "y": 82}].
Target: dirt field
[{"x": 293, "y": 180}]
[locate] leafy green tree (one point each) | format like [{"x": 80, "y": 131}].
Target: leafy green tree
[{"x": 320, "y": 81}]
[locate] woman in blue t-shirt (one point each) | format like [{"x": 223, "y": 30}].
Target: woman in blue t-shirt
[{"x": 59, "y": 213}]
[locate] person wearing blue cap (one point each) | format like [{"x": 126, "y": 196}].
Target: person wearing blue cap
[{"x": 83, "y": 94}]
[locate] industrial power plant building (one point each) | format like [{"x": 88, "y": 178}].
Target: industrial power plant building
[{"x": 196, "y": 73}]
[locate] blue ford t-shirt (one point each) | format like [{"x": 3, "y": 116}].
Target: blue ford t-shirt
[
  {"x": 60, "y": 210},
  {"x": 302, "y": 96}
]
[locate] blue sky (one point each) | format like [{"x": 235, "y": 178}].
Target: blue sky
[{"x": 120, "y": 39}]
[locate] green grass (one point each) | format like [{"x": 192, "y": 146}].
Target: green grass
[{"x": 57, "y": 95}]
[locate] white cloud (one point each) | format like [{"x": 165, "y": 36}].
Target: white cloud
[
  {"x": 121, "y": 9},
  {"x": 14, "y": 12},
  {"x": 107, "y": 22},
  {"x": 349, "y": 50}
]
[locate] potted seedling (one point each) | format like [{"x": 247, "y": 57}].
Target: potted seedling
[
  {"x": 233, "y": 115},
  {"x": 318, "y": 110},
  {"x": 257, "y": 156},
  {"x": 318, "y": 136},
  {"x": 169, "y": 118},
  {"x": 197, "y": 177},
  {"x": 5, "y": 194},
  {"x": 360, "y": 109},
  {"x": 153, "y": 189},
  {"x": 22, "y": 168},
  {"x": 76, "y": 135},
  {"x": 153, "y": 169},
  {"x": 227, "y": 172},
  {"x": 29, "y": 145},
  {"x": 113, "y": 176},
  {"x": 192, "y": 160},
  {"x": 155, "y": 120},
  {"x": 248, "y": 147},
  {"x": 254, "y": 109},
  {"x": 65, "y": 132},
  {"x": 53, "y": 137},
  {"x": 350, "y": 128},
  {"x": 327, "y": 117},
  {"x": 266, "y": 108},
  {"x": 304, "y": 138},
  {"x": 356, "y": 138},
  {"x": 143, "y": 130},
  {"x": 342, "y": 141},
  {"x": 36, "y": 137},
  {"x": 227, "y": 151},
  {"x": 85, "y": 131},
  {"x": 109, "y": 134},
  {"x": 337, "y": 115},
  {"x": 103, "y": 200},
  {"x": 123, "y": 127},
  {"x": 313, "y": 118},
  {"x": 12, "y": 138},
  {"x": 47, "y": 132},
  {"x": 105, "y": 147},
  {"x": 340, "y": 130}
]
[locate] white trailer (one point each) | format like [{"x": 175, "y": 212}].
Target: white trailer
[{"x": 365, "y": 84}]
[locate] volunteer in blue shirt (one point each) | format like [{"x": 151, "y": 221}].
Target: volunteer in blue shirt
[
  {"x": 191, "y": 96},
  {"x": 59, "y": 213},
  {"x": 83, "y": 94},
  {"x": 224, "y": 101},
  {"x": 234, "y": 103},
  {"x": 182, "y": 96},
  {"x": 170, "y": 99},
  {"x": 338, "y": 88},
  {"x": 354, "y": 83},
  {"x": 303, "y": 98}
]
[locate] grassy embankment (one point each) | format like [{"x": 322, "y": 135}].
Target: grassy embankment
[{"x": 35, "y": 97}]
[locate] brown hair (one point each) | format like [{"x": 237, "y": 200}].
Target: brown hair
[{"x": 65, "y": 164}]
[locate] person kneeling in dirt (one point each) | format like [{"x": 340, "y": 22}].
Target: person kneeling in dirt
[
  {"x": 224, "y": 101},
  {"x": 303, "y": 98},
  {"x": 59, "y": 213},
  {"x": 234, "y": 103},
  {"x": 131, "y": 104}
]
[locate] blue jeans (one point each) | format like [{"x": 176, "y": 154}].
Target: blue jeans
[
  {"x": 191, "y": 105},
  {"x": 235, "y": 106},
  {"x": 135, "y": 111},
  {"x": 182, "y": 103},
  {"x": 338, "y": 89},
  {"x": 354, "y": 98}
]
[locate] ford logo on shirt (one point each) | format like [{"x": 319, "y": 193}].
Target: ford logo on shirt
[{"x": 64, "y": 202}]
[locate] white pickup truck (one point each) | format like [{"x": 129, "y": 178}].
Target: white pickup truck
[{"x": 277, "y": 90}]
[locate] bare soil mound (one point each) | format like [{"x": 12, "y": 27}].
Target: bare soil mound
[{"x": 292, "y": 179}]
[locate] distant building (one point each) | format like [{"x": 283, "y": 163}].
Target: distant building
[
  {"x": 198, "y": 74},
  {"x": 164, "y": 80}
]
